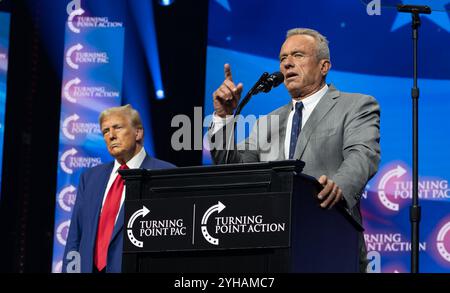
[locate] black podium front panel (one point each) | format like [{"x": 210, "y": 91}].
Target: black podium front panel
[
  {"x": 208, "y": 223},
  {"x": 258, "y": 217}
]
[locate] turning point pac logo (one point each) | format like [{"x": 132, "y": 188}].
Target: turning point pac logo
[
  {"x": 69, "y": 161},
  {"x": 142, "y": 212},
  {"x": 72, "y": 127},
  {"x": 153, "y": 228},
  {"x": 70, "y": 51},
  {"x": 395, "y": 187},
  {"x": 395, "y": 173},
  {"x": 75, "y": 57}
]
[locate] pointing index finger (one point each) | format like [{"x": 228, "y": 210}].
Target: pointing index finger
[{"x": 227, "y": 72}]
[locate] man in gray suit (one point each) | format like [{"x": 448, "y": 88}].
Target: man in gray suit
[{"x": 336, "y": 134}]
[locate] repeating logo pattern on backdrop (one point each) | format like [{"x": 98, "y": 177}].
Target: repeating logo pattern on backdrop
[{"x": 91, "y": 83}]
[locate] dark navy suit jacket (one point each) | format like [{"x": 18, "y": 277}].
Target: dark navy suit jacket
[{"x": 86, "y": 212}]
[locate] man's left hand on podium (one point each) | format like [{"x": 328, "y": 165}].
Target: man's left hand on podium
[{"x": 331, "y": 193}]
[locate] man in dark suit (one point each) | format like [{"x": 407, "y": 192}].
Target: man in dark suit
[
  {"x": 95, "y": 239},
  {"x": 336, "y": 134}
]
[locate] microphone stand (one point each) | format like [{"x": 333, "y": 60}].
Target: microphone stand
[
  {"x": 415, "y": 210},
  {"x": 257, "y": 88}
]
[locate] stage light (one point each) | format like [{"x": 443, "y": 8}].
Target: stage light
[
  {"x": 142, "y": 12},
  {"x": 160, "y": 94},
  {"x": 166, "y": 2}
]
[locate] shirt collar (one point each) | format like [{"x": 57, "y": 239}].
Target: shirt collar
[
  {"x": 135, "y": 161},
  {"x": 312, "y": 99}
]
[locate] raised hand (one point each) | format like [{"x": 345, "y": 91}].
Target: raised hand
[{"x": 227, "y": 96}]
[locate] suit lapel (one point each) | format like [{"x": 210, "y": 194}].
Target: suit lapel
[
  {"x": 98, "y": 194},
  {"x": 147, "y": 163},
  {"x": 119, "y": 223},
  {"x": 323, "y": 107},
  {"x": 283, "y": 119}
]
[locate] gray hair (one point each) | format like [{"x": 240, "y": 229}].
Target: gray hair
[
  {"x": 322, "y": 50},
  {"x": 126, "y": 110}
]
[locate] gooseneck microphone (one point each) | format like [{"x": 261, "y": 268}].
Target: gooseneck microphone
[
  {"x": 265, "y": 83},
  {"x": 273, "y": 80}
]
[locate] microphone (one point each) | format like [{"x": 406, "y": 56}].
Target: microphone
[
  {"x": 273, "y": 80},
  {"x": 416, "y": 9}
]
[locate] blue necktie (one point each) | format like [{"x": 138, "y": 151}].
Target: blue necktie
[{"x": 296, "y": 128}]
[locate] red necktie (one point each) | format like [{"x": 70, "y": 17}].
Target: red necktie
[{"x": 107, "y": 220}]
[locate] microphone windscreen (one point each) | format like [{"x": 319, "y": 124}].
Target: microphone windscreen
[{"x": 277, "y": 78}]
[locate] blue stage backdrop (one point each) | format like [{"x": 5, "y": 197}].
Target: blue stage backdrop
[
  {"x": 4, "y": 44},
  {"x": 92, "y": 82},
  {"x": 371, "y": 55},
  {"x": 100, "y": 39}
]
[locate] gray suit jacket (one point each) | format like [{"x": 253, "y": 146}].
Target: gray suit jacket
[{"x": 340, "y": 140}]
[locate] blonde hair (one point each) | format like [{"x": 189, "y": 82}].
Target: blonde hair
[{"x": 126, "y": 110}]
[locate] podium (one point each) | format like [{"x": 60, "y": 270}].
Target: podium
[{"x": 236, "y": 218}]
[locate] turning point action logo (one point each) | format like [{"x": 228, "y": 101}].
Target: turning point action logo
[
  {"x": 72, "y": 90},
  {"x": 236, "y": 224},
  {"x": 74, "y": 10},
  {"x": 218, "y": 207}
]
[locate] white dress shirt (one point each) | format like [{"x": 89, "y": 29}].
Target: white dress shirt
[
  {"x": 219, "y": 122},
  {"x": 134, "y": 163},
  {"x": 309, "y": 103}
]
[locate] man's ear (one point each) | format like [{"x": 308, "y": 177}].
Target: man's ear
[
  {"x": 325, "y": 66},
  {"x": 139, "y": 134}
]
